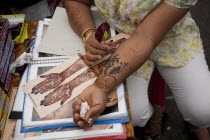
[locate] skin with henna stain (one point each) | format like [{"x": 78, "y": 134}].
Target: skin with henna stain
[
  {"x": 106, "y": 80},
  {"x": 63, "y": 92},
  {"x": 53, "y": 80}
]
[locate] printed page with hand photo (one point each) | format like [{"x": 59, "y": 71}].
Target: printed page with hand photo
[
  {"x": 56, "y": 87},
  {"x": 56, "y": 106}
]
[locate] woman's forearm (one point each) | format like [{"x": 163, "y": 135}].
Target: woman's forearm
[
  {"x": 133, "y": 52},
  {"x": 80, "y": 15}
]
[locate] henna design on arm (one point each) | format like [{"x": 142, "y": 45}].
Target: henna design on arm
[{"x": 107, "y": 78}]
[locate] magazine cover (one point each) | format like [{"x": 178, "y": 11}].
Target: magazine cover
[
  {"x": 102, "y": 132},
  {"x": 116, "y": 106}
]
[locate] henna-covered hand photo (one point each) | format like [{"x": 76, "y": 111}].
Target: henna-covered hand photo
[
  {"x": 63, "y": 92},
  {"x": 53, "y": 80}
]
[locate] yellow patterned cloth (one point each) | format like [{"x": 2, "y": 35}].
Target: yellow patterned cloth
[{"x": 180, "y": 45}]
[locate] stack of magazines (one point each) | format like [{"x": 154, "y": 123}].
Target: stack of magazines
[{"x": 47, "y": 109}]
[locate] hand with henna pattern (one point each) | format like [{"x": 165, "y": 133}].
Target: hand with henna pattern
[
  {"x": 53, "y": 80},
  {"x": 64, "y": 91}
]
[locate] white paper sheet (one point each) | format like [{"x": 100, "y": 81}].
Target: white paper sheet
[{"x": 60, "y": 38}]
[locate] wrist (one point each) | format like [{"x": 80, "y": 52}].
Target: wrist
[
  {"x": 99, "y": 90},
  {"x": 86, "y": 34},
  {"x": 107, "y": 83}
]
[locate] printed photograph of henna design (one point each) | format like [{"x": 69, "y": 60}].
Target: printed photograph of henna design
[
  {"x": 63, "y": 92},
  {"x": 53, "y": 80},
  {"x": 66, "y": 110}
]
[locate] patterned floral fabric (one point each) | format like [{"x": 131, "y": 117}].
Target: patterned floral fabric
[{"x": 179, "y": 46}]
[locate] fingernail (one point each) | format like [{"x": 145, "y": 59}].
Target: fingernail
[
  {"x": 99, "y": 57},
  {"x": 89, "y": 121}
]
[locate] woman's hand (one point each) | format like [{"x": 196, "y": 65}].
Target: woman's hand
[
  {"x": 95, "y": 50},
  {"x": 96, "y": 99}
]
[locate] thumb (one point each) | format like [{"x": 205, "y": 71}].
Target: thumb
[{"x": 94, "y": 112}]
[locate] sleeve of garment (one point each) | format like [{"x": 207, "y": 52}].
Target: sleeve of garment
[{"x": 181, "y": 3}]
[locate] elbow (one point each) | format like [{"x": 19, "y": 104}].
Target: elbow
[{"x": 65, "y": 3}]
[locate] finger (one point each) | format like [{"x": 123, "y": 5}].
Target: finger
[
  {"x": 96, "y": 51},
  {"x": 77, "y": 102},
  {"x": 45, "y": 76},
  {"x": 95, "y": 44},
  {"x": 83, "y": 124},
  {"x": 100, "y": 46},
  {"x": 92, "y": 57},
  {"x": 37, "y": 86},
  {"x": 89, "y": 63},
  {"x": 76, "y": 118},
  {"x": 74, "y": 105},
  {"x": 77, "y": 109},
  {"x": 38, "y": 89},
  {"x": 41, "y": 86},
  {"x": 64, "y": 100},
  {"x": 51, "y": 75},
  {"x": 94, "y": 112},
  {"x": 49, "y": 99}
]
